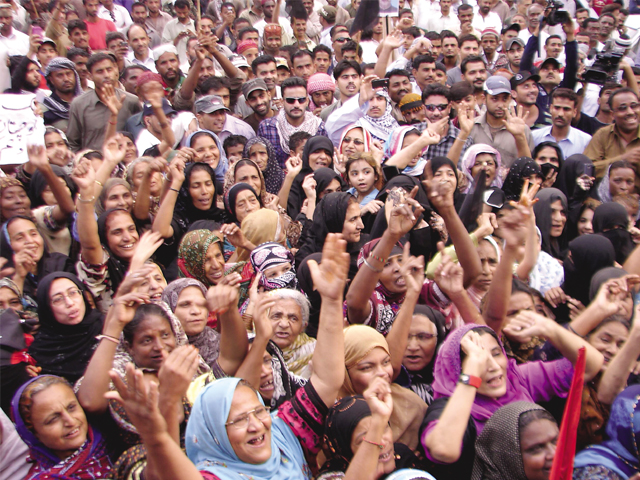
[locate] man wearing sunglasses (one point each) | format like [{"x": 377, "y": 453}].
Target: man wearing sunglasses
[
  {"x": 437, "y": 103},
  {"x": 293, "y": 118}
]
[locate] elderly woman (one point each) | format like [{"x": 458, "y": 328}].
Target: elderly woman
[{"x": 261, "y": 152}]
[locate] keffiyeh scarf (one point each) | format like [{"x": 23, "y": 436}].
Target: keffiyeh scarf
[
  {"x": 310, "y": 125},
  {"x": 56, "y": 105}
]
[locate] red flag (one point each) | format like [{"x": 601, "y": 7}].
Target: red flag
[{"x": 562, "y": 468}]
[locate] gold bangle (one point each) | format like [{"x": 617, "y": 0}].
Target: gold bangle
[
  {"x": 81, "y": 200},
  {"x": 99, "y": 183},
  {"x": 108, "y": 337}
]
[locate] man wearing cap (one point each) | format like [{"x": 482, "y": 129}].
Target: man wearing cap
[
  {"x": 445, "y": 19},
  {"x": 168, "y": 66},
  {"x": 64, "y": 83},
  {"x": 257, "y": 96},
  {"x": 157, "y": 116},
  {"x": 500, "y": 126},
  {"x": 347, "y": 75},
  {"x": 140, "y": 53},
  {"x": 524, "y": 90},
  {"x": 282, "y": 69},
  {"x": 327, "y": 16},
  {"x": 321, "y": 89},
  {"x": 564, "y": 107},
  {"x": 484, "y": 18},
  {"x": 413, "y": 109},
  {"x": 46, "y": 51},
  {"x": 489, "y": 40},
  {"x": 514, "y": 52},
  {"x": 272, "y": 39},
  {"x": 507, "y": 33},
  {"x": 212, "y": 115}
]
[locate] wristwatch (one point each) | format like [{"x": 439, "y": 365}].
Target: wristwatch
[{"x": 470, "y": 380}]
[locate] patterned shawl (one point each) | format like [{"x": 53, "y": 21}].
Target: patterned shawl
[
  {"x": 273, "y": 174},
  {"x": 310, "y": 125}
]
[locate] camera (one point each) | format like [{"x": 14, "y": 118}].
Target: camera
[
  {"x": 556, "y": 15},
  {"x": 605, "y": 67}
]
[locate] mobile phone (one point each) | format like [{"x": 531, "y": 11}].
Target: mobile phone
[
  {"x": 37, "y": 30},
  {"x": 380, "y": 83}
]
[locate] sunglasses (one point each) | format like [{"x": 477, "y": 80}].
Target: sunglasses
[
  {"x": 432, "y": 108},
  {"x": 343, "y": 40},
  {"x": 293, "y": 100}
]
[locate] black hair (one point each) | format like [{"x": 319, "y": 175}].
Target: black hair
[
  {"x": 344, "y": 65},
  {"x": 240, "y": 20},
  {"x": 336, "y": 29},
  {"x": 565, "y": 93},
  {"x": 471, "y": 59},
  {"x": 460, "y": 90},
  {"x": 465, "y": 6},
  {"x": 613, "y": 85},
  {"x": 99, "y": 57},
  {"x": 292, "y": 82},
  {"x": 587, "y": 22},
  {"x": 436, "y": 89},
  {"x": 420, "y": 59},
  {"x": 618, "y": 92},
  {"x": 301, "y": 54},
  {"x": 468, "y": 38},
  {"x": 214, "y": 83},
  {"x": 296, "y": 140},
  {"x": 448, "y": 33},
  {"x": 234, "y": 141},
  {"x": 245, "y": 30},
  {"x": 139, "y": 4},
  {"x": 261, "y": 60},
  {"x": 110, "y": 36},
  {"x": 77, "y": 52},
  {"x": 322, "y": 48},
  {"x": 76, "y": 23},
  {"x": 403, "y": 11},
  {"x": 415, "y": 32},
  {"x": 352, "y": 46},
  {"x": 433, "y": 35},
  {"x": 133, "y": 66},
  {"x": 616, "y": 318},
  {"x": 182, "y": 4},
  {"x": 142, "y": 312},
  {"x": 398, "y": 72},
  {"x": 552, "y": 37}
]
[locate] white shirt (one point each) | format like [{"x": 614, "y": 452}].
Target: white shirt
[
  {"x": 576, "y": 141},
  {"x": 5, "y": 76},
  {"x": 121, "y": 17},
  {"x": 148, "y": 62},
  {"x": 422, "y": 11},
  {"x": 438, "y": 22},
  {"x": 491, "y": 21},
  {"x": 171, "y": 31},
  {"x": 16, "y": 43}
]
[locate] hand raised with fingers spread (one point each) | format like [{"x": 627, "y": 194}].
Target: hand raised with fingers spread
[
  {"x": 516, "y": 124},
  {"x": 147, "y": 245},
  {"x": 38, "y": 157},
  {"x": 330, "y": 277},
  {"x": 111, "y": 99},
  {"x": 412, "y": 270},
  {"x": 477, "y": 357},
  {"x": 176, "y": 373},
  {"x": 125, "y": 307},
  {"x": 440, "y": 192},
  {"x": 114, "y": 149},
  {"x": 134, "y": 278},
  {"x": 528, "y": 324}
]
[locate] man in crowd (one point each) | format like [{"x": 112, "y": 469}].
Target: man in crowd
[
  {"x": 474, "y": 71},
  {"x": 450, "y": 50},
  {"x": 140, "y": 53},
  {"x": 485, "y": 18},
  {"x": 212, "y": 115},
  {"x": 321, "y": 89},
  {"x": 468, "y": 45},
  {"x": 178, "y": 31},
  {"x": 258, "y": 97},
  {"x": 490, "y": 40},
  {"x": 272, "y": 39},
  {"x": 80, "y": 57},
  {"x": 157, "y": 19},
  {"x": 412, "y": 109},
  {"x": 129, "y": 77},
  {"x": 524, "y": 90},
  {"x": 140, "y": 15},
  {"x": 79, "y": 35},
  {"x": 168, "y": 66},
  {"x": 514, "y": 51},
  {"x": 64, "y": 83},
  {"x": 118, "y": 14},
  {"x": 347, "y": 75},
  {"x": 255, "y": 13},
  {"x": 444, "y": 20},
  {"x": 424, "y": 72},
  {"x": 399, "y": 86},
  {"x": 14, "y": 41},
  {"x": 322, "y": 59},
  {"x": 97, "y": 27},
  {"x": 302, "y": 62}
]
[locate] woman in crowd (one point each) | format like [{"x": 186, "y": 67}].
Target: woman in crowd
[
  {"x": 62, "y": 443},
  {"x": 584, "y": 218},
  {"x": 208, "y": 149},
  {"x": 482, "y": 157},
  {"x": 612, "y": 221},
  {"x": 261, "y": 152},
  {"x": 551, "y": 212},
  {"x": 398, "y": 156},
  {"x": 355, "y": 139},
  {"x": 57, "y": 145},
  {"x": 549, "y": 156},
  {"x": 575, "y": 180},
  {"x": 620, "y": 178},
  {"x": 144, "y": 175},
  {"x": 116, "y": 193},
  {"x": 524, "y": 168},
  {"x": 14, "y": 199},
  {"x": 241, "y": 200},
  {"x": 247, "y": 171}
]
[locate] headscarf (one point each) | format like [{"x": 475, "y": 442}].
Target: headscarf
[
  {"x": 329, "y": 217},
  {"x": 436, "y": 164},
  {"x": 602, "y": 276},
  {"x": 230, "y": 179},
  {"x": 521, "y": 169},
  {"x": 273, "y": 174},
  {"x": 604, "y": 193},
  {"x": 498, "y": 446},
  {"x": 612, "y": 221},
  {"x": 394, "y": 144},
  {"x": 208, "y": 446},
  {"x": 64, "y": 350},
  {"x": 368, "y": 139},
  {"x": 6, "y": 182},
  {"x": 469, "y": 160},
  {"x": 185, "y": 211},
  {"x": 58, "y": 108},
  {"x": 573, "y": 167},
  {"x": 223, "y": 163},
  {"x": 380, "y": 128},
  {"x": 108, "y": 186},
  {"x": 272, "y": 254},
  {"x": 323, "y": 177},
  {"x": 306, "y": 285},
  {"x": 89, "y": 461},
  {"x": 192, "y": 254},
  {"x": 542, "y": 210},
  {"x": 588, "y": 254},
  {"x": 310, "y": 124},
  {"x": 259, "y": 227},
  {"x": 620, "y": 451},
  {"x": 39, "y": 183},
  {"x": 447, "y": 371},
  {"x": 117, "y": 267},
  {"x": 232, "y": 194}
]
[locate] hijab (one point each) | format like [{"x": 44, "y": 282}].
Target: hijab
[
  {"x": 620, "y": 451},
  {"x": 394, "y": 143},
  {"x": 104, "y": 194},
  {"x": 447, "y": 371},
  {"x": 230, "y": 178},
  {"x": 223, "y": 163},
  {"x": 296, "y": 194},
  {"x": 192, "y": 254},
  {"x": 6, "y": 182},
  {"x": 185, "y": 211},
  {"x": 91, "y": 460},
  {"x": 323, "y": 177},
  {"x": 437, "y": 318},
  {"x": 39, "y": 183},
  {"x": 611, "y": 221},
  {"x": 498, "y": 446},
  {"x": 261, "y": 226},
  {"x": 573, "y": 167},
  {"x": 542, "y": 210},
  {"x": 469, "y": 160},
  {"x": 587, "y": 254},
  {"x": 380, "y": 128},
  {"x": 117, "y": 267},
  {"x": 602, "y": 276},
  {"x": 232, "y": 194},
  {"x": 306, "y": 285},
  {"x": 272, "y": 254},
  {"x": 368, "y": 140},
  {"x": 64, "y": 350},
  {"x": 329, "y": 217},
  {"x": 209, "y": 448},
  {"x": 521, "y": 169},
  {"x": 273, "y": 174},
  {"x": 436, "y": 164}
]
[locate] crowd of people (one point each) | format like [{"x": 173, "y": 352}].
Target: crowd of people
[{"x": 294, "y": 239}]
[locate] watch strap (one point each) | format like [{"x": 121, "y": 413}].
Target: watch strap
[{"x": 470, "y": 380}]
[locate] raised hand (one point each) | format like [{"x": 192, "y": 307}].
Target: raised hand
[
  {"x": 176, "y": 172},
  {"x": 440, "y": 193},
  {"x": 366, "y": 89},
  {"x": 125, "y": 306},
  {"x": 24, "y": 262},
  {"x": 221, "y": 298},
  {"x": 330, "y": 277},
  {"x": 378, "y": 397},
  {"x": 261, "y": 321},
  {"x": 487, "y": 223},
  {"x": 114, "y": 149},
  {"x": 528, "y": 324},
  {"x": 439, "y": 127},
  {"x": 412, "y": 270},
  {"x": 134, "y": 278},
  {"x": 176, "y": 373},
  {"x": 514, "y": 227},
  {"x": 340, "y": 162},
  {"x": 477, "y": 357},
  {"x": 309, "y": 186},
  {"x": 394, "y": 40},
  {"x": 147, "y": 245},
  {"x": 403, "y": 216},
  {"x": 516, "y": 123},
  {"x": 111, "y": 99},
  {"x": 84, "y": 176},
  {"x": 449, "y": 275},
  {"x": 431, "y": 137},
  {"x": 377, "y": 151},
  {"x": 293, "y": 165},
  {"x": 38, "y": 156},
  {"x": 234, "y": 234},
  {"x": 613, "y": 292},
  {"x": 465, "y": 120},
  {"x": 555, "y": 296}
]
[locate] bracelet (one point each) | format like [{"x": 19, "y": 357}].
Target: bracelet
[
  {"x": 462, "y": 139},
  {"x": 81, "y": 200},
  {"x": 375, "y": 257},
  {"x": 99, "y": 182},
  {"x": 113, "y": 123},
  {"x": 108, "y": 337},
  {"x": 571, "y": 329},
  {"x": 174, "y": 190},
  {"x": 371, "y": 266},
  {"x": 379, "y": 445}
]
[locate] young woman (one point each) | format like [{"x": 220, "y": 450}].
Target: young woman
[
  {"x": 551, "y": 218},
  {"x": 584, "y": 220},
  {"x": 241, "y": 200},
  {"x": 518, "y": 442},
  {"x": 400, "y": 139},
  {"x": 524, "y": 168},
  {"x": 612, "y": 221},
  {"x": 549, "y": 156},
  {"x": 355, "y": 139},
  {"x": 14, "y": 199},
  {"x": 208, "y": 149},
  {"x": 482, "y": 157},
  {"x": 57, "y": 146},
  {"x": 61, "y": 441},
  {"x": 261, "y": 152},
  {"x": 365, "y": 177},
  {"x": 66, "y": 339}
]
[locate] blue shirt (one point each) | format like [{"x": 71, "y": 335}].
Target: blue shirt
[
  {"x": 576, "y": 141},
  {"x": 368, "y": 198}
]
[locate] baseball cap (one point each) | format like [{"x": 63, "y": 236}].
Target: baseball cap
[
  {"x": 166, "y": 108},
  {"x": 520, "y": 78},
  {"x": 239, "y": 61},
  {"x": 328, "y": 13},
  {"x": 210, "y": 104},
  {"x": 252, "y": 86},
  {"x": 49, "y": 41},
  {"x": 496, "y": 85},
  {"x": 517, "y": 40},
  {"x": 548, "y": 60},
  {"x": 489, "y": 31},
  {"x": 514, "y": 26},
  {"x": 282, "y": 62}
]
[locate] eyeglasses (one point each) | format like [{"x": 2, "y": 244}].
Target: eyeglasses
[
  {"x": 293, "y": 100},
  {"x": 623, "y": 108},
  {"x": 432, "y": 108},
  {"x": 422, "y": 337},
  {"x": 72, "y": 295},
  {"x": 355, "y": 141},
  {"x": 343, "y": 40},
  {"x": 242, "y": 421}
]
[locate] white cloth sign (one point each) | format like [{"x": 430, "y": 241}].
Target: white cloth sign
[{"x": 19, "y": 127}]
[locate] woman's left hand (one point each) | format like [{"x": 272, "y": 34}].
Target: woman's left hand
[
  {"x": 330, "y": 277},
  {"x": 234, "y": 234},
  {"x": 528, "y": 324},
  {"x": 412, "y": 271},
  {"x": 176, "y": 373},
  {"x": 221, "y": 298}
]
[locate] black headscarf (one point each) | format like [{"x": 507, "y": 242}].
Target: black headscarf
[
  {"x": 64, "y": 350},
  {"x": 305, "y": 282},
  {"x": 323, "y": 177},
  {"x": 611, "y": 221},
  {"x": 542, "y": 209},
  {"x": 39, "y": 183},
  {"x": 602, "y": 276},
  {"x": 296, "y": 194},
  {"x": 117, "y": 267},
  {"x": 521, "y": 169},
  {"x": 558, "y": 150},
  {"x": 230, "y": 199},
  {"x": 587, "y": 255},
  {"x": 573, "y": 167}
]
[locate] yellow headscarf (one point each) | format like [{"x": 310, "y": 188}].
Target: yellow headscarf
[{"x": 258, "y": 227}]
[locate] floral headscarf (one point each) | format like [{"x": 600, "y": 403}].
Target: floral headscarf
[
  {"x": 192, "y": 254},
  {"x": 273, "y": 176},
  {"x": 469, "y": 160}
]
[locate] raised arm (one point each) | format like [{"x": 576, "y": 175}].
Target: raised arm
[
  {"x": 293, "y": 166},
  {"x": 191, "y": 82},
  {"x": 143, "y": 199},
  {"x": 155, "y": 98},
  {"x": 387, "y": 46},
  {"x": 113, "y": 152},
  {"x": 85, "y": 178},
  {"x": 329, "y": 279},
  {"x": 65, "y": 206},
  {"x": 162, "y": 222},
  {"x": 465, "y": 120},
  {"x": 404, "y": 156},
  {"x": 113, "y": 101},
  {"x": 531, "y": 249}
]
